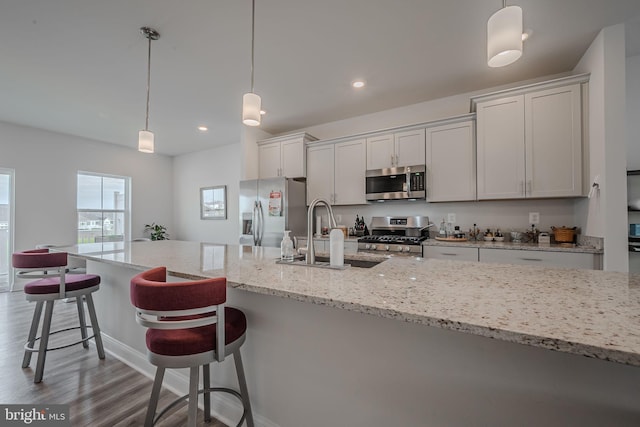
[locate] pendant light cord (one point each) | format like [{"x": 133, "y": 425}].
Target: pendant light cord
[
  {"x": 253, "y": 25},
  {"x": 146, "y": 122}
]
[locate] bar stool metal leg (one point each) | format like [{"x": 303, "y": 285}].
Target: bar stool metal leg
[
  {"x": 94, "y": 325},
  {"x": 242, "y": 382},
  {"x": 33, "y": 332},
  {"x": 155, "y": 395},
  {"x": 193, "y": 395},
  {"x": 44, "y": 341},
  {"x": 206, "y": 382},
  {"x": 83, "y": 323}
]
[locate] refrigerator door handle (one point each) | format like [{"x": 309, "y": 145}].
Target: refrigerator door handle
[
  {"x": 261, "y": 230},
  {"x": 254, "y": 224}
]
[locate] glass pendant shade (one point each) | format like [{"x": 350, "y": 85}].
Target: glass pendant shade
[
  {"x": 504, "y": 36},
  {"x": 145, "y": 141},
  {"x": 251, "y": 109}
]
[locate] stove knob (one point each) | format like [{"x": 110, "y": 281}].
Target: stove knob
[
  {"x": 367, "y": 246},
  {"x": 399, "y": 248},
  {"x": 386, "y": 248},
  {"x": 373, "y": 247},
  {"x": 407, "y": 249}
]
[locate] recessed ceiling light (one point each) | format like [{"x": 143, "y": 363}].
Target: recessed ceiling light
[
  {"x": 358, "y": 84},
  {"x": 203, "y": 128},
  {"x": 262, "y": 112}
]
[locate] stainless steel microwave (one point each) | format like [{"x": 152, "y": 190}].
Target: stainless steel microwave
[{"x": 400, "y": 183}]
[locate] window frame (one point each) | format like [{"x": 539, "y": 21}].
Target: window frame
[{"x": 126, "y": 211}]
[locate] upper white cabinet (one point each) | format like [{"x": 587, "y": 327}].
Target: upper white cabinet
[
  {"x": 451, "y": 162},
  {"x": 283, "y": 156},
  {"x": 553, "y": 136},
  {"x": 530, "y": 144},
  {"x": 396, "y": 149},
  {"x": 336, "y": 172}
]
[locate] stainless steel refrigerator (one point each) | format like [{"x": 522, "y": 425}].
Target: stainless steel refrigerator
[{"x": 270, "y": 206}]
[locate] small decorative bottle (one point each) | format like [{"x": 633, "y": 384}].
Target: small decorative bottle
[{"x": 286, "y": 247}]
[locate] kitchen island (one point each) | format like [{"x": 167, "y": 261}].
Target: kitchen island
[{"x": 407, "y": 342}]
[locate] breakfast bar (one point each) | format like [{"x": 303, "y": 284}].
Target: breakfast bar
[{"x": 407, "y": 342}]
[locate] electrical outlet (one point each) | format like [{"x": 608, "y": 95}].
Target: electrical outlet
[
  {"x": 534, "y": 218},
  {"x": 451, "y": 218}
]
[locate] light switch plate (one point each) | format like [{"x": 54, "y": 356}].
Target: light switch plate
[
  {"x": 534, "y": 217},
  {"x": 451, "y": 218}
]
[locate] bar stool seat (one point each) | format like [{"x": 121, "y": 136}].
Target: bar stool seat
[
  {"x": 181, "y": 342},
  {"x": 189, "y": 326},
  {"x": 54, "y": 283}
]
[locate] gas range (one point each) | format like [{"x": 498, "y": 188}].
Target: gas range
[{"x": 400, "y": 235}]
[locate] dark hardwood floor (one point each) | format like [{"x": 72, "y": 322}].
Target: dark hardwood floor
[{"x": 98, "y": 392}]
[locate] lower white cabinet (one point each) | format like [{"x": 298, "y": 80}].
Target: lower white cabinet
[
  {"x": 542, "y": 258},
  {"x": 538, "y": 258},
  {"x": 450, "y": 252}
]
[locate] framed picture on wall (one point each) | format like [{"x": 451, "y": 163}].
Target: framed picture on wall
[{"x": 213, "y": 202}]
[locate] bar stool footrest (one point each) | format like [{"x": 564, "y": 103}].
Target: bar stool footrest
[
  {"x": 35, "y": 350},
  {"x": 201, "y": 391}
]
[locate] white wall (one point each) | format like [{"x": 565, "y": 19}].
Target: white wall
[
  {"x": 217, "y": 166},
  {"x": 633, "y": 113},
  {"x": 633, "y": 144},
  {"x": 46, "y": 166},
  {"x": 605, "y": 215}
]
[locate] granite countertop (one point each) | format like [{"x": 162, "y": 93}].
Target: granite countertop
[
  {"x": 584, "y": 312},
  {"x": 563, "y": 247}
]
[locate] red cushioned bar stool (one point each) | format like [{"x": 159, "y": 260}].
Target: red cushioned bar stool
[
  {"x": 54, "y": 284},
  {"x": 189, "y": 326}
]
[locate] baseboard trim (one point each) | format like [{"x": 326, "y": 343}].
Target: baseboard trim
[{"x": 226, "y": 409}]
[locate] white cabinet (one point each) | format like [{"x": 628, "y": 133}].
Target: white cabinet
[
  {"x": 283, "y": 156},
  {"x": 542, "y": 258},
  {"x": 450, "y": 252},
  {"x": 396, "y": 149},
  {"x": 530, "y": 144},
  {"x": 451, "y": 162},
  {"x": 553, "y": 142},
  {"x": 336, "y": 172},
  {"x": 320, "y": 172}
]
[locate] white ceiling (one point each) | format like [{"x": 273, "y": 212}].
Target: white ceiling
[{"x": 79, "y": 66}]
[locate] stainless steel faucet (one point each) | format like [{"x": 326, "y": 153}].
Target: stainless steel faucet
[{"x": 311, "y": 252}]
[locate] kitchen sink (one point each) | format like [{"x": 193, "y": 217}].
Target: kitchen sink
[
  {"x": 323, "y": 262},
  {"x": 360, "y": 263}
]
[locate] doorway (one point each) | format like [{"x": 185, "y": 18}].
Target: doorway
[{"x": 6, "y": 228}]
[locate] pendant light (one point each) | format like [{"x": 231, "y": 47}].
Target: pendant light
[
  {"x": 504, "y": 36},
  {"x": 146, "y": 137},
  {"x": 250, "y": 100}
]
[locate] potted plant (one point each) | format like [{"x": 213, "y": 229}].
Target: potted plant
[{"x": 156, "y": 231}]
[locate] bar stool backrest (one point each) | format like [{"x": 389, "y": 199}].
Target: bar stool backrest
[
  {"x": 180, "y": 305},
  {"x": 39, "y": 264}
]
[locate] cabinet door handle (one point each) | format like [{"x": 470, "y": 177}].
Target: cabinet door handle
[
  {"x": 529, "y": 187},
  {"x": 521, "y": 187},
  {"x": 531, "y": 259},
  {"x": 449, "y": 254}
]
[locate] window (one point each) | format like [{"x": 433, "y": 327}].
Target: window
[
  {"x": 6, "y": 227},
  {"x": 103, "y": 208}
]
